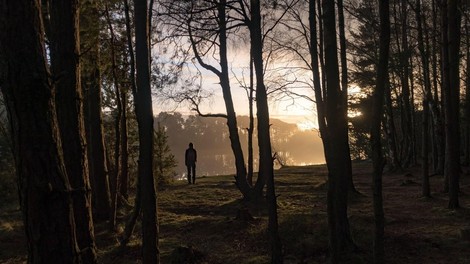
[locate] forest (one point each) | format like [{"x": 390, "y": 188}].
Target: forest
[{"x": 92, "y": 167}]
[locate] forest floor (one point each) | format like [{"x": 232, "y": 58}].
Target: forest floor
[{"x": 203, "y": 216}]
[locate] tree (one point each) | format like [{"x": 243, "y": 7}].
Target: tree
[
  {"x": 427, "y": 98},
  {"x": 144, "y": 113},
  {"x": 165, "y": 161},
  {"x": 118, "y": 121},
  {"x": 266, "y": 171},
  {"x": 65, "y": 63},
  {"x": 335, "y": 137},
  {"x": 377, "y": 110},
  {"x": 91, "y": 81},
  {"x": 44, "y": 188},
  {"x": 223, "y": 75},
  {"x": 451, "y": 85}
]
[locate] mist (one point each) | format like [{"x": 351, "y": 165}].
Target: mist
[{"x": 210, "y": 137}]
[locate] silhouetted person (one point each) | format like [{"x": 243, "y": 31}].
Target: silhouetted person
[{"x": 190, "y": 159}]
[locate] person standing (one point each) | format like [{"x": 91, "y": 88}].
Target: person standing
[{"x": 190, "y": 160}]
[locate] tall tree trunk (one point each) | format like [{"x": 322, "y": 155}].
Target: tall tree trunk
[
  {"x": 376, "y": 145},
  {"x": 116, "y": 175},
  {"x": 451, "y": 81},
  {"x": 264, "y": 140},
  {"x": 129, "y": 229},
  {"x": 44, "y": 189},
  {"x": 436, "y": 111},
  {"x": 144, "y": 113},
  {"x": 428, "y": 96},
  {"x": 91, "y": 82},
  {"x": 406, "y": 119},
  {"x": 335, "y": 142},
  {"x": 344, "y": 78},
  {"x": 467, "y": 96},
  {"x": 65, "y": 52}
]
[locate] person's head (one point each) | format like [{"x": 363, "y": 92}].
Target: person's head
[{"x": 190, "y": 145}]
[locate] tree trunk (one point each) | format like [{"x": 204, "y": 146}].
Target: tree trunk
[
  {"x": 428, "y": 95},
  {"x": 467, "y": 97},
  {"x": 335, "y": 142},
  {"x": 91, "y": 82},
  {"x": 376, "y": 145},
  {"x": 231, "y": 115},
  {"x": 124, "y": 179},
  {"x": 344, "y": 79},
  {"x": 451, "y": 80},
  {"x": 129, "y": 229},
  {"x": 436, "y": 108},
  {"x": 406, "y": 116},
  {"x": 65, "y": 51},
  {"x": 251, "y": 126},
  {"x": 144, "y": 113},
  {"x": 264, "y": 140},
  {"x": 390, "y": 131},
  {"x": 116, "y": 175},
  {"x": 223, "y": 75},
  {"x": 314, "y": 60},
  {"x": 44, "y": 189}
]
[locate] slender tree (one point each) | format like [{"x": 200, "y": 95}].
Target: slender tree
[
  {"x": 223, "y": 75},
  {"x": 264, "y": 140},
  {"x": 144, "y": 113},
  {"x": 44, "y": 188}
]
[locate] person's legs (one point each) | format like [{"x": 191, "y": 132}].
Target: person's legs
[
  {"x": 189, "y": 174},
  {"x": 194, "y": 173}
]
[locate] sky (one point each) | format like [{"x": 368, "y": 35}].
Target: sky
[{"x": 298, "y": 111}]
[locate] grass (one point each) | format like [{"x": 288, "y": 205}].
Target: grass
[{"x": 203, "y": 217}]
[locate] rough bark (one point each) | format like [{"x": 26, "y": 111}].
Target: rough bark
[
  {"x": 44, "y": 189},
  {"x": 65, "y": 62},
  {"x": 144, "y": 113},
  {"x": 91, "y": 82}
]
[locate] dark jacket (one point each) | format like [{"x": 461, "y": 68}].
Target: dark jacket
[{"x": 190, "y": 157}]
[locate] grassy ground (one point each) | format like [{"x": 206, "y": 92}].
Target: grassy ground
[{"x": 203, "y": 216}]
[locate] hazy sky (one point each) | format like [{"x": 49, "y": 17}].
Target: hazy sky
[{"x": 298, "y": 111}]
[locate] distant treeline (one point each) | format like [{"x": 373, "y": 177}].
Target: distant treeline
[{"x": 210, "y": 138}]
